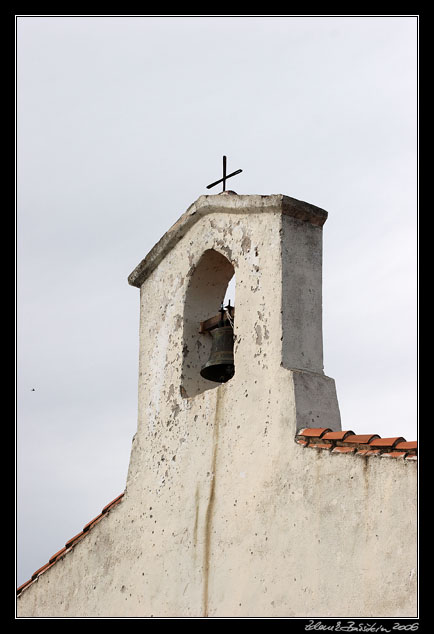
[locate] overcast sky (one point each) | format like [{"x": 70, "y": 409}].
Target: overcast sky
[{"x": 121, "y": 123}]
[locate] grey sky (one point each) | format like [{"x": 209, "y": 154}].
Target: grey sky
[{"x": 121, "y": 124}]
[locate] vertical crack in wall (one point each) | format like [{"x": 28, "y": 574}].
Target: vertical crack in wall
[
  {"x": 210, "y": 506},
  {"x": 196, "y": 519}
]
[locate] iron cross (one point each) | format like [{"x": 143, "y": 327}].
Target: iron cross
[{"x": 224, "y": 179}]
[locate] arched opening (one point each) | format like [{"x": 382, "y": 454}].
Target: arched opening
[
  {"x": 230, "y": 292},
  {"x": 205, "y": 293}
]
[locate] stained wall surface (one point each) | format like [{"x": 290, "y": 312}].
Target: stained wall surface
[{"x": 223, "y": 513}]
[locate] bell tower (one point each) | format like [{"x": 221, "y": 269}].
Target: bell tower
[
  {"x": 200, "y": 437},
  {"x": 274, "y": 244}
]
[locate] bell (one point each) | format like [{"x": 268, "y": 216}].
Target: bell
[{"x": 220, "y": 365}]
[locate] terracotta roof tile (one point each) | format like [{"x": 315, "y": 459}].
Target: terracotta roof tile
[
  {"x": 24, "y": 585},
  {"x": 337, "y": 435},
  {"x": 407, "y": 446},
  {"x": 344, "y": 450},
  {"x": 75, "y": 539},
  {"x": 112, "y": 503},
  {"x": 363, "y": 439},
  {"x": 92, "y": 522},
  {"x": 70, "y": 543},
  {"x": 42, "y": 569},
  {"x": 322, "y": 445},
  {"x": 313, "y": 432},
  {"x": 57, "y": 555},
  {"x": 301, "y": 441},
  {"x": 386, "y": 442},
  {"x": 363, "y": 445},
  {"x": 393, "y": 454}
]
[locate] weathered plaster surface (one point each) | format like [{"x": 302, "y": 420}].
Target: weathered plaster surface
[{"x": 223, "y": 514}]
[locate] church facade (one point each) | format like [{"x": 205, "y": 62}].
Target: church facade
[{"x": 246, "y": 498}]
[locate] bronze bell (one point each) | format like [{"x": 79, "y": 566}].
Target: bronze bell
[{"x": 220, "y": 365}]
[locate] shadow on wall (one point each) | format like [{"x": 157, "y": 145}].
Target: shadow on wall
[{"x": 205, "y": 294}]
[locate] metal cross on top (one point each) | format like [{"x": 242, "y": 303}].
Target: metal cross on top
[{"x": 224, "y": 179}]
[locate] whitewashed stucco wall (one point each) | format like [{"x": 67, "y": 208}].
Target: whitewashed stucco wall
[{"x": 223, "y": 513}]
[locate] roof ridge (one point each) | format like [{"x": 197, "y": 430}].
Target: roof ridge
[
  {"x": 360, "y": 444},
  {"x": 70, "y": 543}
]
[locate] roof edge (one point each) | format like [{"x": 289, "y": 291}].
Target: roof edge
[
  {"x": 361, "y": 445},
  {"x": 69, "y": 545}
]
